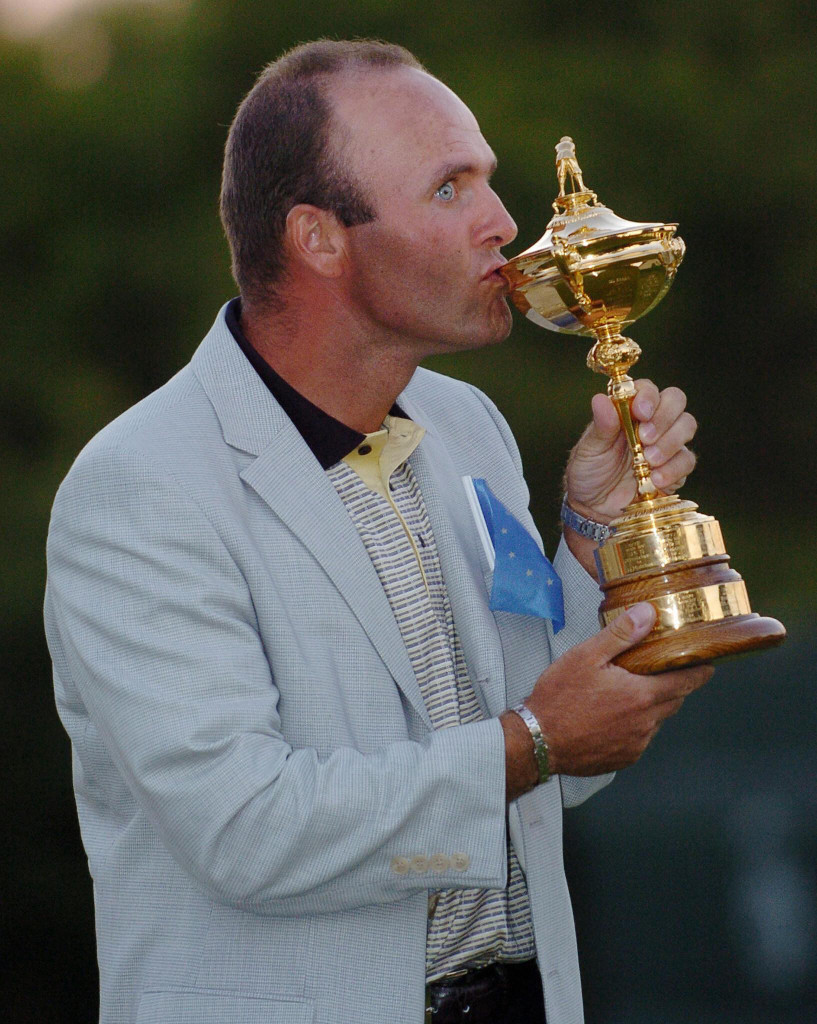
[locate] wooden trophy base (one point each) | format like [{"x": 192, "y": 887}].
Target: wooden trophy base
[
  {"x": 703, "y": 642},
  {"x": 664, "y": 552}
]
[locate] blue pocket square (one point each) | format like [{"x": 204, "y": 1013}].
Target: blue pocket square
[{"x": 525, "y": 582}]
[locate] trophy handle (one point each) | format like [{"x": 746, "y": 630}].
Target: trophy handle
[{"x": 614, "y": 355}]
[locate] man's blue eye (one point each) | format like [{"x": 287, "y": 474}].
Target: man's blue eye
[{"x": 445, "y": 191}]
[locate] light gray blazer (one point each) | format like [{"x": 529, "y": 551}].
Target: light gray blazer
[{"x": 252, "y": 758}]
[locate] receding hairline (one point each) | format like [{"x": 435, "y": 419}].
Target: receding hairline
[
  {"x": 334, "y": 83},
  {"x": 336, "y": 80},
  {"x": 340, "y": 131},
  {"x": 324, "y": 61},
  {"x": 342, "y": 128}
]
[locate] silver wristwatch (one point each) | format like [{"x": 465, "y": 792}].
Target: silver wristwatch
[
  {"x": 540, "y": 747},
  {"x": 581, "y": 524}
]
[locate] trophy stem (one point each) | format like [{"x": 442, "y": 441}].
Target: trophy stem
[{"x": 613, "y": 355}]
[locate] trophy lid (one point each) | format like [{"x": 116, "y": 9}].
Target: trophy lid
[{"x": 591, "y": 266}]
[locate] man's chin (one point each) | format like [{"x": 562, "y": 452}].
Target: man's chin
[
  {"x": 492, "y": 328},
  {"x": 502, "y": 321}
]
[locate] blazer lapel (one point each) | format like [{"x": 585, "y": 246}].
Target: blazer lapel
[
  {"x": 302, "y": 496},
  {"x": 461, "y": 560},
  {"x": 287, "y": 477}
]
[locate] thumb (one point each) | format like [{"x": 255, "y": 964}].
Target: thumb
[
  {"x": 602, "y": 431},
  {"x": 605, "y": 423},
  {"x": 625, "y": 631}
]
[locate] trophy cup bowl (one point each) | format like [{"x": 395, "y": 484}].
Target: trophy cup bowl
[{"x": 593, "y": 273}]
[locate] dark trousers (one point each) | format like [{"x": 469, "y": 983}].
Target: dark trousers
[{"x": 498, "y": 994}]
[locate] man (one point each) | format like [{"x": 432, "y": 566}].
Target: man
[{"x": 301, "y": 789}]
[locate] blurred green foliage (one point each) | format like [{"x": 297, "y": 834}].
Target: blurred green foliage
[{"x": 114, "y": 267}]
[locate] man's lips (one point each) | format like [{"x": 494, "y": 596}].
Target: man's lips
[{"x": 493, "y": 274}]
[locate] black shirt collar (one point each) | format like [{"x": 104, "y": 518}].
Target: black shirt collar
[{"x": 329, "y": 440}]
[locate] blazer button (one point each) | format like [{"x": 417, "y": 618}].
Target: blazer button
[
  {"x": 439, "y": 863},
  {"x": 400, "y": 865},
  {"x": 460, "y": 861},
  {"x": 419, "y": 864}
]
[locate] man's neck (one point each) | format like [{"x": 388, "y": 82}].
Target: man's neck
[{"x": 332, "y": 363}]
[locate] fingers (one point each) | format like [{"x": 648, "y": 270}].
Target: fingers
[
  {"x": 673, "y": 441},
  {"x": 664, "y": 425},
  {"x": 665, "y": 429},
  {"x": 670, "y": 687},
  {"x": 674, "y": 688},
  {"x": 647, "y": 399},
  {"x": 657, "y": 411},
  {"x": 673, "y": 473},
  {"x": 598, "y": 478},
  {"x": 677, "y": 434},
  {"x": 666, "y": 709}
]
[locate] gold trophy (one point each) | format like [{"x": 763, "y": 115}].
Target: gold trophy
[{"x": 593, "y": 273}]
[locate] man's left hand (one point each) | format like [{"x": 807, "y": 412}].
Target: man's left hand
[{"x": 599, "y": 479}]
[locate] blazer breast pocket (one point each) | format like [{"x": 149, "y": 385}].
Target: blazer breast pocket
[{"x": 206, "y": 1006}]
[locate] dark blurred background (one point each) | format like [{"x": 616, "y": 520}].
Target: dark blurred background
[{"x": 695, "y": 875}]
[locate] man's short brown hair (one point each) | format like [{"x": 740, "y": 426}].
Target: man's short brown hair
[{"x": 279, "y": 153}]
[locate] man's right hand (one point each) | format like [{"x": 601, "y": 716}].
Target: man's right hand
[{"x": 595, "y": 716}]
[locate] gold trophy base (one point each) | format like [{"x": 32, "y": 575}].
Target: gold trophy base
[{"x": 663, "y": 551}]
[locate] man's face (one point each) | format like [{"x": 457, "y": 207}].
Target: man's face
[{"x": 423, "y": 273}]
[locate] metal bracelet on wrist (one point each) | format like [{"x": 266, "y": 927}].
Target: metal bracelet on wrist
[
  {"x": 540, "y": 747},
  {"x": 582, "y": 525}
]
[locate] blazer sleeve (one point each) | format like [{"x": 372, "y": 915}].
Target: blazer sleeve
[
  {"x": 582, "y": 600},
  {"x": 152, "y": 623}
]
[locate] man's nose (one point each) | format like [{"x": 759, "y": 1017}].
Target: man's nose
[{"x": 500, "y": 227}]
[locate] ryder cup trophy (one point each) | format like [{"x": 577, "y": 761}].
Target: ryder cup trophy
[{"x": 593, "y": 273}]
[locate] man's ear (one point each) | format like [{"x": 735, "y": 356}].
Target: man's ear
[{"x": 317, "y": 239}]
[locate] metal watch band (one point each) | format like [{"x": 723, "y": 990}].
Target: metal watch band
[
  {"x": 581, "y": 524},
  {"x": 540, "y": 748}
]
